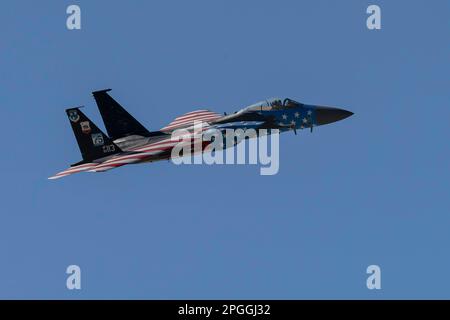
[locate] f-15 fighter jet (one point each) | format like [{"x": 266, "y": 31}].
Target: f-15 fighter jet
[{"x": 129, "y": 142}]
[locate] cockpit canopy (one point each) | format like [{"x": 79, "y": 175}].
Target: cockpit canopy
[{"x": 274, "y": 104}]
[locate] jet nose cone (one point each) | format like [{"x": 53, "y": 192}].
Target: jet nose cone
[{"x": 326, "y": 115}]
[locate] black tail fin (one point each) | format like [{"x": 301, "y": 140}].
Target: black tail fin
[
  {"x": 118, "y": 122},
  {"x": 93, "y": 143}
]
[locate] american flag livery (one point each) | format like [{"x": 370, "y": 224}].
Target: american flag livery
[
  {"x": 151, "y": 151},
  {"x": 129, "y": 142},
  {"x": 135, "y": 155},
  {"x": 189, "y": 118}
]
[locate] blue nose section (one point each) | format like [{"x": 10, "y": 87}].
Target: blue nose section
[{"x": 325, "y": 115}]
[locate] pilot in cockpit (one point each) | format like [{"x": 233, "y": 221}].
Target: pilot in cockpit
[{"x": 276, "y": 104}]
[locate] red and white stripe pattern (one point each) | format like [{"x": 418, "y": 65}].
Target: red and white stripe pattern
[
  {"x": 141, "y": 154},
  {"x": 189, "y": 118},
  {"x": 75, "y": 169},
  {"x": 148, "y": 151}
]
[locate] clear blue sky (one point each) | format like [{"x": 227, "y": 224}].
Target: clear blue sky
[{"x": 372, "y": 189}]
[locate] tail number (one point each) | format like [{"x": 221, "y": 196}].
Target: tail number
[{"x": 109, "y": 148}]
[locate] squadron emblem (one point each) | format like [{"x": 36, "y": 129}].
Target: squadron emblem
[
  {"x": 74, "y": 116},
  {"x": 97, "y": 139},
  {"x": 85, "y": 127}
]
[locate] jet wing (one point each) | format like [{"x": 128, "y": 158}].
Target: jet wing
[
  {"x": 112, "y": 163},
  {"x": 151, "y": 152},
  {"x": 188, "y": 119},
  {"x": 74, "y": 169}
]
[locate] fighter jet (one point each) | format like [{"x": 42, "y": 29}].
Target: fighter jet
[{"x": 129, "y": 142}]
